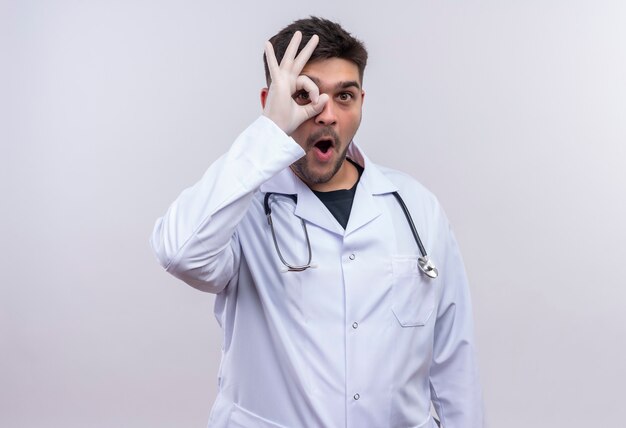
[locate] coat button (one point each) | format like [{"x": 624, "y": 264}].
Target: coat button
[
  {"x": 352, "y": 256},
  {"x": 355, "y": 325},
  {"x": 356, "y": 396}
]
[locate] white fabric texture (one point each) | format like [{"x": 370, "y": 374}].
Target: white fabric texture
[{"x": 363, "y": 339}]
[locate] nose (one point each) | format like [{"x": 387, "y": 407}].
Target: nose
[{"x": 327, "y": 116}]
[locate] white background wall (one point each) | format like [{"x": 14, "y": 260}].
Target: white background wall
[{"x": 513, "y": 113}]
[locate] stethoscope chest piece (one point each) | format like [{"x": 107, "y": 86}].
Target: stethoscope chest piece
[{"x": 426, "y": 265}]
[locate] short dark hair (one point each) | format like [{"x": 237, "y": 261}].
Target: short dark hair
[{"x": 335, "y": 42}]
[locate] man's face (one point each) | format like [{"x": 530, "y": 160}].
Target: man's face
[{"x": 326, "y": 137}]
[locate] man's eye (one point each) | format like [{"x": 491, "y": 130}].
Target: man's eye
[
  {"x": 302, "y": 97},
  {"x": 345, "y": 96}
]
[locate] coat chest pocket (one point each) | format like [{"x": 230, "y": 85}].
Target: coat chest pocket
[{"x": 413, "y": 294}]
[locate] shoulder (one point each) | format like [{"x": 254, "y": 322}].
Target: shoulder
[
  {"x": 382, "y": 180},
  {"x": 407, "y": 185}
]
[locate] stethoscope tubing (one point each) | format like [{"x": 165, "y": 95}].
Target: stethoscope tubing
[
  {"x": 425, "y": 264},
  {"x": 411, "y": 224}
]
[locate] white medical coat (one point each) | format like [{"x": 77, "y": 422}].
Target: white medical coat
[{"x": 363, "y": 339}]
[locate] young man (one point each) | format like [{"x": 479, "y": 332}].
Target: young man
[{"x": 328, "y": 319}]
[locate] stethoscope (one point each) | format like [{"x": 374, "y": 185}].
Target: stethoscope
[{"x": 424, "y": 262}]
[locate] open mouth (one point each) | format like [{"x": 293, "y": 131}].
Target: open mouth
[{"x": 324, "y": 145}]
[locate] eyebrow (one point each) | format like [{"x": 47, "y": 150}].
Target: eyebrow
[{"x": 339, "y": 85}]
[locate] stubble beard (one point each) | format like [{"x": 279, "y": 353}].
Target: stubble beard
[{"x": 301, "y": 166}]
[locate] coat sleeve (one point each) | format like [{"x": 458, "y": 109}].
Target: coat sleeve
[
  {"x": 196, "y": 239},
  {"x": 454, "y": 381}
]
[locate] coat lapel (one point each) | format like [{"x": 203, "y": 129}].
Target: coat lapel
[
  {"x": 312, "y": 210},
  {"x": 365, "y": 207},
  {"x": 309, "y": 207}
]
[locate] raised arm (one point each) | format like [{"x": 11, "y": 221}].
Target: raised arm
[{"x": 196, "y": 239}]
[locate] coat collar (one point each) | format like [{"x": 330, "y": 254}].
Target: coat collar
[{"x": 365, "y": 208}]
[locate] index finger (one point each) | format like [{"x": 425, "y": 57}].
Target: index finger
[{"x": 305, "y": 53}]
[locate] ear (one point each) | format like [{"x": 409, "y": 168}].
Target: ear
[
  {"x": 263, "y": 96},
  {"x": 362, "y": 96}
]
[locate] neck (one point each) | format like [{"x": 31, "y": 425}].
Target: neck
[{"x": 345, "y": 178}]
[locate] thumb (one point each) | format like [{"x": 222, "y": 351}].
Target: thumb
[{"x": 313, "y": 109}]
